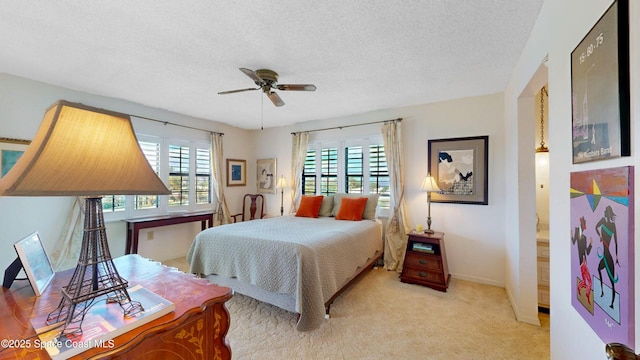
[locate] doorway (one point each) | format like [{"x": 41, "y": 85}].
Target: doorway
[{"x": 542, "y": 204}]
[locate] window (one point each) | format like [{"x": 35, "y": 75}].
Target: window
[
  {"x": 309, "y": 173},
  {"x": 354, "y": 175},
  {"x": 178, "y": 175},
  {"x": 113, "y": 203},
  {"x": 360, "y": 169},
  {"x": 203, "y": 176},
  {"x": 329, "y": 171},
  {"x": 151, "y": 151},
  {"x": 184, "y": 166},
  {"x": 379, "y": 176}
]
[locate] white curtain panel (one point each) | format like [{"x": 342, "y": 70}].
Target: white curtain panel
[
  {"x": 298, "y": 155},
  {"x": 395, "y": 239},
  {"x": 67, "y": 248},
  {"x": 222, "y": 213}
]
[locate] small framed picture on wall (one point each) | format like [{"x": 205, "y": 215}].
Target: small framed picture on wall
[
  {"x": 266, "y": 176},
  {"x": 236, "y": 172},
  {"x": 10, "y": 151}
]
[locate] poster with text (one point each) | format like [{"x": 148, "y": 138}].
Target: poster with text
[{"x": 600, "y": 88}]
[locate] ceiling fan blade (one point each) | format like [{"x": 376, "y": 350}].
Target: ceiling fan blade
[
  {"x": 252, "y": 74},
  {"x": 275, "y": 99},
  {"x": 235, "y": 91},
  {"x": 296, "y": 87}
]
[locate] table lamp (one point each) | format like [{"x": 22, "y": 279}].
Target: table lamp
[
  {"x": 84, "y": 151},
  {"x": 429, "y": 185},
  {"x": 282, "y": 183}
]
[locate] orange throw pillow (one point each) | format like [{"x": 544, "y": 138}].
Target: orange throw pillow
[
  {"x": 309, "y": 206},
  {"x": 351, "y": 208}
]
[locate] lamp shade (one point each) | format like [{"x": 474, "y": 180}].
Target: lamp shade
[
  {"x": 85, "y": 151},
  {"x": 282, "y": 183},
  {"x": 429, "y": 184}
]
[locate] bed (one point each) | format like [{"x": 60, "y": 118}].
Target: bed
[{"x": 300, "y": 264}]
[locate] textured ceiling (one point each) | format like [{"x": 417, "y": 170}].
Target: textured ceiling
[{"x": 177, "y": 55}]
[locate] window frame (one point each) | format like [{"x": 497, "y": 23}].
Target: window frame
[
  {"x": 342, "y": 145},
  {"x": 163, "y": 206}
]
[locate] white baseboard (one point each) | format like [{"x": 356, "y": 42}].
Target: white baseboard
[
  {"x": 533, "y": 320},
  {"x": 478, "y": 280}
]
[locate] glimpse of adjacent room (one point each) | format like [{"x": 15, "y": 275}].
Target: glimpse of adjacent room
[{"x": 542, "y": 200}]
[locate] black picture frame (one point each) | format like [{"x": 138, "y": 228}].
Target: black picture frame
[
  {"x": 600, "y": 94},
  {"x": 460, "y": 167}
]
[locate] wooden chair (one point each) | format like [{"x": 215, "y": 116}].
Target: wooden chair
[{"x": 256, "y": 202}]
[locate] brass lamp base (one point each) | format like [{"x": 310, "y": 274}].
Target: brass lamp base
[{"x": 429, "y": 230}]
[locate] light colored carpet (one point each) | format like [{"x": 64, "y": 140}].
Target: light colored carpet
[{"x": 381, "y": 318}]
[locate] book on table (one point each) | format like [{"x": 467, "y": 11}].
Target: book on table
[
  {"x": 426, "y": 248},
  {"x": 102, "y": 322}
]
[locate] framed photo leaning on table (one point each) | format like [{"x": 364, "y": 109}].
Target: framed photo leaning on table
[{"x": 35, "y": 262}]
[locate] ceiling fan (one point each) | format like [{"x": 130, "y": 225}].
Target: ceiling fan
[{"x": 267, "y": 80}]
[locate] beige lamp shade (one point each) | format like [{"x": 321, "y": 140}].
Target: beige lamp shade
[
  {"x": 81, "y": 150},
  {"x": 282, "y": 183},
  {"x": 429, "y": 184}
]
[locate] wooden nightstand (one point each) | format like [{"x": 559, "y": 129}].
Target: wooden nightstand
[{"x": 425, "y": 262}]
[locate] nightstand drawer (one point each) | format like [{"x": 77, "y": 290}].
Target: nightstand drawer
[
  {"x": 423, "y": 275},
  {"x": 423, "y": 261}
]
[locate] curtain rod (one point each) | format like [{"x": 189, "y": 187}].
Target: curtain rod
[
  {"x": 174, "y": 124},
  {"x": 346, "y": 126}
]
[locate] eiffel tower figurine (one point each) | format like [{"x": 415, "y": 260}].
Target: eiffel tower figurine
[{"x": 95, "y": 276}]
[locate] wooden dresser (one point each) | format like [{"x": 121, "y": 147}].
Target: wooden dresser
[
  {"x": 425, "y": 261},
  {"x": 195, "y": 330}
]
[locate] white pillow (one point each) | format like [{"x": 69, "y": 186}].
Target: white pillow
[
  {"x": 369, "y": 209},
  {"x": 327, "y": 206}
]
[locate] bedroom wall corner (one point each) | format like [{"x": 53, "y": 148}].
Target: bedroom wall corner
[
  {"x": 476, "y": 244},
  {"x": 22, "y": 105}
]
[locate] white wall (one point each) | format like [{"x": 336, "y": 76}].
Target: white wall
[
  {"x": 22, "y": 105},
  {"x": 475, "y": 240},
  {"x": 561, "y": 26}
]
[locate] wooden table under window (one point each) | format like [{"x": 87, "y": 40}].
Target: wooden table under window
[
  {"x": 134, "y": 225},
  {"x": 195, "y": 330}
]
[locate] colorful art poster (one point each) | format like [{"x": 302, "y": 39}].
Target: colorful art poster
[{"x": 602, "y": 271}]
